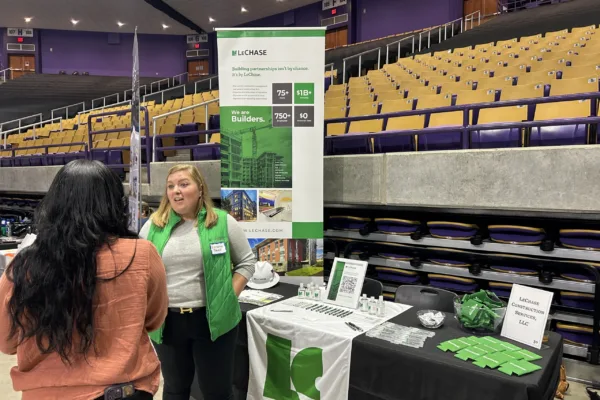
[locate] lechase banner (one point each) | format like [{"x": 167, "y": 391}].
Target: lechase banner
[{"x": 271, "y": 87}]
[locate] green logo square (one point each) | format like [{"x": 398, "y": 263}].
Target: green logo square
[
  {"x": 304, "y": 93},
  {"x": 234, "y": 52}
]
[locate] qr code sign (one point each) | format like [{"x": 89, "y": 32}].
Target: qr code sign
[{"x": 348, "y": 284}]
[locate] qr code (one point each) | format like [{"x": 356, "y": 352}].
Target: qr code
[{"x": 348, "y": 284}]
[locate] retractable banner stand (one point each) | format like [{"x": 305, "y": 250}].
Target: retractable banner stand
[
  {"x": 135, "y": 166},
  {"x": 271, "y": 90}
]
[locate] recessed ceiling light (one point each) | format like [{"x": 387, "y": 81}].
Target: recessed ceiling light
[
  {"x": 165, "y": 26},
  {"x": 28, "y": 19},
  {"x": 211, "y": 19},
  {"x": 244, "y": 9},
  {"x": 74, "y": 21},
  {"x": 120, "y": 23}
]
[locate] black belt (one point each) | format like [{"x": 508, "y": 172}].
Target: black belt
[{"x": 184, "y": 310}]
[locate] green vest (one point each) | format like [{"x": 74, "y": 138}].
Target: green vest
[{"x": 222, "y": 307}]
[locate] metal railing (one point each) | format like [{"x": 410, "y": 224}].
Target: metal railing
[
  {"x": 471, "y": 18},
  {"x": 127, "y": 93},
  {"x": 165, "y": 115},
  {"x": 399, "y": 43},
  {"x": 67, "y": 109},
  {"x": 20, "y": 121},
  {"x": 5, "y": 133},
  {"x": 128, "y": 102},
  {"x": 360, "y": 56},
  {"x": 177, "y": 79},
  {"x": 162, "y": 93},
  {"x": 4, "y": 73},
  {"x": 143, "y": 143},
  {"x": 210, "y": 83},
  {"x": 158, "y": 84},
  {"x": 329, "y": 67},
  {"x": 117, "y": 95}
]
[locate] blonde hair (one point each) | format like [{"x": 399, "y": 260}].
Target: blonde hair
[{"x": 161, "y": 216}]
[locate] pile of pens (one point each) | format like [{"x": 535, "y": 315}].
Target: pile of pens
[{"x": 322, "y": 308}]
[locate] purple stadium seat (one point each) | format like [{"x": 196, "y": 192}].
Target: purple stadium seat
[
  {"x": 100, "y": 155},
  {"x": 452, "y": 230},
  {"x": 349, "y": 144},
  {"x": 514, "y": 234},
  {"x": 503, "y": 137},
  {"x": 392, "y": 144},
  {"x": 395, "y": 226},
  {"x": 453, "y": 283},
  {"x": 582, "y": 239},
  {"x": 452, "y": 140},
  {"x": 501, "y": 289},
  {"x": 397, "y": 275},
  {"x": 209, "y": 151},
  {"x": 578, "y": 335},
  {"x": 575, "y": 134},
  {"x": 582, "y": 301}
]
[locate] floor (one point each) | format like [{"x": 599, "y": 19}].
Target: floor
[{"x": 576, "y": 390}]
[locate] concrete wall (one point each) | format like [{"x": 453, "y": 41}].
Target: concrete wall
[{"x": 559, "y": 179}]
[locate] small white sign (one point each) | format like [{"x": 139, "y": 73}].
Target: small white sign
[
  {"x": 345, "y": 282},
  {"x": 25, "y": 32},
  {"x": 203, "y": 38},
  {"x": 526, "y": 315}
]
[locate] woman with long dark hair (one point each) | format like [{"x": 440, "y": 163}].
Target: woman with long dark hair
[{"x": 77, "y": 305}]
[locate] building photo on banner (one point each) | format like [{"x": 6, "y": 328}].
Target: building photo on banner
[{"x": 271, "y": 102}]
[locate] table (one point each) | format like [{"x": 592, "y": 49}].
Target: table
[{"x": 386, "y": 371}]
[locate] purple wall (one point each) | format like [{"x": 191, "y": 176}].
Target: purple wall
[
  {"x": 379, "y": 18},
  {"x": 160, "y": 55}
]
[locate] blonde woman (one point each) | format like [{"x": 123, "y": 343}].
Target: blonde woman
[{"x": 198, "y": 244}]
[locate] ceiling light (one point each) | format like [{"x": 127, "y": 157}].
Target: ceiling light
[
  {"x": 211, "y": 19},
  {"x": 244, "y": 9},
  {"x": 28, "y": 19},
  {"x": 74, "y": 21},
  {"x": 165, "y": 26},
  {"x": 120, "y": 23}
]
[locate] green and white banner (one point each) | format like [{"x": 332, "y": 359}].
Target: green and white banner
[
  {"x": 305, "y": 353},
  {"x": 271, "y": 90},
  {"x": 292, "y": 360}
]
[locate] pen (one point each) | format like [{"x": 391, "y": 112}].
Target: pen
[
  {"x": 358, "y": 328},
  {"x": 350, "y": 326},
  {"x": 282, "y": 310}
]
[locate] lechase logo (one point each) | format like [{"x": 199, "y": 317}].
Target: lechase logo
[{"x": 249, "y": 52}]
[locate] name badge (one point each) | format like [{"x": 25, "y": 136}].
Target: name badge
[{"x": 217, "y": 248}]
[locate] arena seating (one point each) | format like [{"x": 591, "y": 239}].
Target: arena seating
[
  {"x": 436, "y": 101},
  {"x": 447, "y": 87},
  {"x": 56, "y": 145}
]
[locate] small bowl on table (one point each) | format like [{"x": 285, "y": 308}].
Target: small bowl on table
[{"x": 425, "y": 318}]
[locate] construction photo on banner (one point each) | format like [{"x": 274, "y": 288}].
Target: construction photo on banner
[{"x": 271, "y": 105}]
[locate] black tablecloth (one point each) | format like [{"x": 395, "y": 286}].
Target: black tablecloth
[
  {"x": 388, "y": 371},
  {"x": 381, "y": 370}
]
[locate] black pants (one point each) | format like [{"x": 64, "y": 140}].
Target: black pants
[{"x": 187, "y": 348}]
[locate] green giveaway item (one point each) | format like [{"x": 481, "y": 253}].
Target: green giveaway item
[
  {"x": 492, "y": 360},
  {"x": 515, "y": 355},
  {"x": 518, "y": 368},
  {"x": 527, "y": 355},
  {"x": 471, "y": 353},
  {"x": 453, "y": 345},
  {"x": 477, "y": 310}
]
